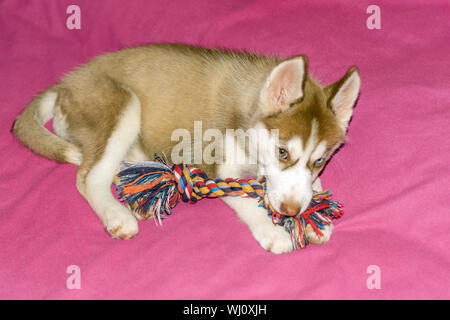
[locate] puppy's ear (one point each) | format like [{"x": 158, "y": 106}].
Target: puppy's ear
[
  {"x": 284, "y": 85},
  {"x": 342, "y": 96}
]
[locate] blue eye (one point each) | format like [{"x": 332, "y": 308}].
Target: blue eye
[{"x": 319, "y": 162}]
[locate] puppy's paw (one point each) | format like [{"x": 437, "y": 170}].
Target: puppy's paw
[
  {"x": 314, "y": 238},
  {"x": 274, "y": 238},
  {"x": 121, "y": 224}
]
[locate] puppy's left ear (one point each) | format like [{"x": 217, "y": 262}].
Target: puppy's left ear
[{"x": 342, "y": 96}]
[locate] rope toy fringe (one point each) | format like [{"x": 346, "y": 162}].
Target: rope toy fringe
[{"x": 154, "y": 188}]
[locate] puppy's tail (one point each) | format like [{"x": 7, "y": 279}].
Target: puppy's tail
[{"x": 29, "y": 129}]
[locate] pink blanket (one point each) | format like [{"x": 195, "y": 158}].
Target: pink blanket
[{"x": 392, "y": 176}]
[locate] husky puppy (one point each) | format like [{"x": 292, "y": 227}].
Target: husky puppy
[{"x": 125, "y": 105}]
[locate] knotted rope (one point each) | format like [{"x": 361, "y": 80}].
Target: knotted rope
[{"x": 154, "y": 188}]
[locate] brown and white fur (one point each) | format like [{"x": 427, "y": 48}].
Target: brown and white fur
[{"x": 126, "y": 104}]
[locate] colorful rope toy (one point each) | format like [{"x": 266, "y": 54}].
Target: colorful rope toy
[{"x": 153, "y": 189}]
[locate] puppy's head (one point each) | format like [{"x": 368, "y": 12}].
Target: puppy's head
[{"x": 311, "y": 122}]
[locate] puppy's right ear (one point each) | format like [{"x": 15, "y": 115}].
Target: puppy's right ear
[{"x": 284, "y": 85}]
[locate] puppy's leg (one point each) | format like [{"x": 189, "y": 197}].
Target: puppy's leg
[
  {"x": 273, "y": 238},
  {"x": 310, "y": 234},
  {"x": 317, "y": 185},
  {"x": 314, "y": 238},
  {"x": 96, "y": 172}
]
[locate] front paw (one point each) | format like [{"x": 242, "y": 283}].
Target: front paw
[
  {"x": 121, "y": 224},
  {"x": 312, "y": 237},
  {"x": 274, "y": 238}
]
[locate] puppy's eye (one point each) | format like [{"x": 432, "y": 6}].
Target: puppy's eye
[
  {"x": 319, "y": 162},
  {"x": 282, "y": 154}
]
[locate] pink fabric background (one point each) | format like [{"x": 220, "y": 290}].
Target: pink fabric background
[{"x": 392, "y": 176}]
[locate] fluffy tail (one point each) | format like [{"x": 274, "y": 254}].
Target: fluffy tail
[{"x": 29, "y": 129}]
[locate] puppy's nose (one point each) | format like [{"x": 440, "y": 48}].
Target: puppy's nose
[{"x": 290, "y": 208}]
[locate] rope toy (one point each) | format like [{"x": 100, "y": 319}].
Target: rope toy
[{"x": 154, "y": 188}]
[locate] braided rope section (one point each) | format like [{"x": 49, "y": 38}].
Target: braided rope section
[{"x": 154, "y": 188}]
